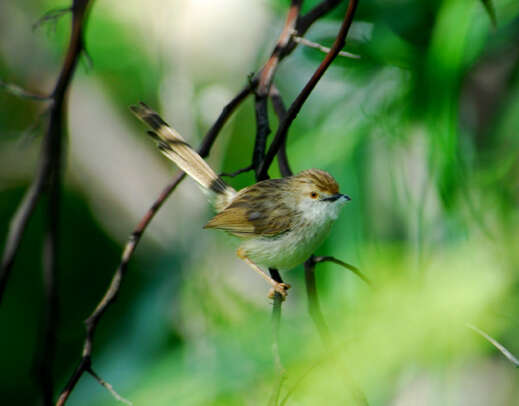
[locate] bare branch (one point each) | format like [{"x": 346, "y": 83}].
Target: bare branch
[
  {"x": 48, "y": 179},
  {"x": 236, "y": 173},
  {"x": 314, "y": 14},
  {"x": 52, "y": 16},
  {"x": 305, "y": 93},
  {"x": 50, "y": 160},
  {"x": 350, "y": 267},
  {"x": 269, "y": 69},
  {"x": 266, "y": 77},
  {"x": 19, "y": 222},
  {"x": 315, "y": 45},
  {"x": 109, "y": 387},
  {"x": 281, "y": 111},
  {"x": 20, "y": 92},
  {"x": 262, "y": 130},
  {"x": 509, "y": 356},
  {"x": 110, "y": 295}
]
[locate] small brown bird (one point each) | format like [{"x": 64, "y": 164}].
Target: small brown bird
[{"x": 281, "y": 222}]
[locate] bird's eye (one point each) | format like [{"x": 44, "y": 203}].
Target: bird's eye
[{"x": 314, "y": 195}]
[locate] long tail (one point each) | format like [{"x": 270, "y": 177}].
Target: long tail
[{"x": 180, "y": 152}]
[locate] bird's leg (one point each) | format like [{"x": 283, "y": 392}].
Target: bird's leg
[{"x": 281, "y": 288}]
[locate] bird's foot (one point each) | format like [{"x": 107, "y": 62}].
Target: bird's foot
[{"x": 280, "y": 288}]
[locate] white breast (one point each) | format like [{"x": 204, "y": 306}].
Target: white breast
[{"x": 288, "y": 249}]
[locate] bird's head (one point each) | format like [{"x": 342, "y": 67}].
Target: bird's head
[{"x": 317, "y": 194}]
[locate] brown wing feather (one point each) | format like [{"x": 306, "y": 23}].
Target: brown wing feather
[{"x": 255, "y": 212}]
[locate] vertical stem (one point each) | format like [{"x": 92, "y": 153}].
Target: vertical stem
[
  {"x": 262, "y": 131},
  {"x": 276, "y": 321},
  {"x": 314, "y": 307}
]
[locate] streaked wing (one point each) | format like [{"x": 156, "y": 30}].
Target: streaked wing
[{"x": 254, "y": 213}]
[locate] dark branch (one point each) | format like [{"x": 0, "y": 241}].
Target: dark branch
[
  {"x": 294, "y": 109},
  {"x": 266, "y": 77},
  {"x": 50, "y": 155},
  {"x": 47, "y": 180},
  {"x": 52, "y": 16},
  {"x": 314, "y": 14},
  {"x": 350, "y": 267},
  {"x": 110, "y": 296},
  {"x": 281, "y": 111},
  {"x": 262, "y": 131},
  {"x": 227, "y": 111},
  {"x": 236, "y": 173}
]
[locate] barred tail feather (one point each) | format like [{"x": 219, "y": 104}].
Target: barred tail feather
[{"x": 173, "y": 145}]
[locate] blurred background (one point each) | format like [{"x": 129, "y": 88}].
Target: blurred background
[{"x": 421, "y": 132}]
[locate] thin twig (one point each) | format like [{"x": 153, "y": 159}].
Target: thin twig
[
  {"x": 20, "y": 92},
  {"x": 305, "y": 93},
  {"x": 236, "y": 173},
  {"x": 111, "y": 294},
  {"x": 509, "y": 356},
  {"x": 52, "y": 16},
  {"x": 109, "y": 387},
  {"x": 268, "y": 71},
  {"x": 350, "y": 267},
  {"x": 315, "y": 45}
]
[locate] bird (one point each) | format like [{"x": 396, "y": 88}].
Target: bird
[{"x": 280, "y": 222}]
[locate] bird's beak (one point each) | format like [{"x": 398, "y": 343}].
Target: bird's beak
[{"x": 337, "y": 196}]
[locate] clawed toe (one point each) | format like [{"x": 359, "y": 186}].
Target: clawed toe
[{"x": 280, "y": 288}]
